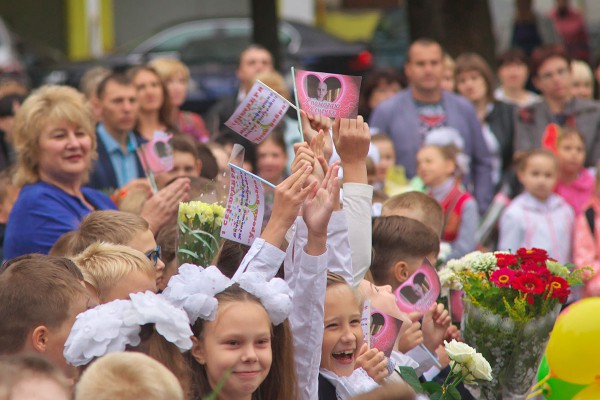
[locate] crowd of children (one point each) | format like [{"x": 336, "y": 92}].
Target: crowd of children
[{"x": 110, "y": 313}]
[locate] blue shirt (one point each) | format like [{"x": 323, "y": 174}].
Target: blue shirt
[
  {"x": 124, "y": 164},
  {"x": 43, "y": 213}
]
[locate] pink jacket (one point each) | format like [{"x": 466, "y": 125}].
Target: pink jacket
[
  {"x": 578, "y": 192},
  {"x": 586, "y": 246}
]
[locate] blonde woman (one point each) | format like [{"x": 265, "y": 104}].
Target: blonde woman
[
  {"x": 55, "y": 142},
  {"x": 176, "y": 77}
]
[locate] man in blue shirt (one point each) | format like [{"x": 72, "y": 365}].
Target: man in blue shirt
[{"x": 117, "y": 163}]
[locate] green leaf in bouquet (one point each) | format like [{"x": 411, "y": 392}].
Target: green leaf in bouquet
[
  {"x": 453, "y": 393},
  {"x": 195, "y": 256},
  {"x": 436, "y": 396},
  {"x": 431, "y": 387},
  {"x": 410, "y": 377}
]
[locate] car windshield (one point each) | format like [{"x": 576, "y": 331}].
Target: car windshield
[{"x": 198, "y": 42}]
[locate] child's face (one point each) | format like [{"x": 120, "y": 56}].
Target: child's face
[
  {"x": 582, "y": 89},
  {"x": 133, "y": 282},
  {"x": 387, "y": 158},
  {"x": 539, "y": 177},
  {"x": 383, "y": 91},
  {"x": 571, "y": 154},
  {"x": 56, "y": 338},
  {"x": 145, "y": 242},
  {"x": 381, "y": 298},
  {"x": 39, "y": 388},
  {"x": 271, "y": 161},
  {"x": 238, "y": 340},
  {"x": 184, "y": 164},
  {"x": 432, "y": 167},
  {"x": 343, "y": 336}
]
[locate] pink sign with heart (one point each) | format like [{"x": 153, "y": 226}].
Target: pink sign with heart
[
  {"x": 332, "y": 95},
  {"x": 420, "y": 291}
]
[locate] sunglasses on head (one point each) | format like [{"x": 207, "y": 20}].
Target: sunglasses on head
[{"x": 154, "y": 255}]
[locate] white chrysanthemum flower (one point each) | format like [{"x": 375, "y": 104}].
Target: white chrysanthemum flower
[{"x": 483, "y": 262}]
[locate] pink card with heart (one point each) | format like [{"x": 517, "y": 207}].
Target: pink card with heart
[
  {"x": 157, "y": 154},
  {"x": 420, "y": 290},
  {"x": 333, "y": 95}
]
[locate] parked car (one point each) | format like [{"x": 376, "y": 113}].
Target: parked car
[{"x": 210, "y": 48}]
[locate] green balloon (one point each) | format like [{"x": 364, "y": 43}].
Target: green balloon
[{"x": 554, "y": 388}]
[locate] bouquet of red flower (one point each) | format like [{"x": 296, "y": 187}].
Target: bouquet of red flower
[{"x": 511, "y": 303}]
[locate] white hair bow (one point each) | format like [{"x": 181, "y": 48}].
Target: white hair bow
[
  {"x": 194, "y": 290},
  {"x": 113, "y": 326}
]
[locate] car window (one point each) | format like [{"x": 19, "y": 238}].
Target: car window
[{"x": 179, "y": 40}]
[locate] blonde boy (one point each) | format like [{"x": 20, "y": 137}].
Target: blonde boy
[
  {"x": 119, "y": 228},
  {"x": 128, "y": 376},
  {"x": 112, "y": 271}
]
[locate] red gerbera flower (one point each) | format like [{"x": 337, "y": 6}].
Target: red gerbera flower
[
  {"x": 502, "y": 277},
  {"x": 558, "y": 288},
  {"x": 505, "y": 260},
  {"x": 536, "y": 268},
  {"x": 530, "y": 284},
  {"x": 535, "y": 255}
]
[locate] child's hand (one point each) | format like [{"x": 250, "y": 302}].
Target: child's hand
[
  {"x": 435, "y": 324},
  {"x": 289, "y": 197},
  {"x": 411, "y": 338},
  {"x": 374, "y": 362},
  {"x": 317, "y": 211},
  {"x": 312, "y": 155},
  {"x": 311, "y": 125},
  {"x": 442, "y": 356},
  {"x": 352, "y": 138},
  {"x": 453, "y": 333}
]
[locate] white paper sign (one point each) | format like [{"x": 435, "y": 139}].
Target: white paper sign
[
  {"x": 245, "y": 207},
  {"x": 258, "y": 113}
]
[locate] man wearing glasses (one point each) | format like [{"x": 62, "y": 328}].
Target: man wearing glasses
[{"x": 551, "y": 74}]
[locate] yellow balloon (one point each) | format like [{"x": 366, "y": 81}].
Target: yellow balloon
[
  {"x": 573, "y": 351},
  {"x": 592, "y": 392}
]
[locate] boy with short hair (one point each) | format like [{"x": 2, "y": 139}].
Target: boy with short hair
[
  {"x": 119, "y": 228},
  {"x": 416, "y": 205},
  {"x": 39, "y": 301},
  {"x": 400, "y": 245},
  {"x": 112, "y": 271}
]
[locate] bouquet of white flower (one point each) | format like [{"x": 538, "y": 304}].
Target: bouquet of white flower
[
  {"x": 466, "y": 365},
  {"x": 199, "y": 226}
]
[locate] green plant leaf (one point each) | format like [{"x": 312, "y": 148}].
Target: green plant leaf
[
  {"x": 432, "y": 387},
  {"x": 436, "y": 396},
  {"x": 453, "y": 392},
  {"x": 410, "y": 376}
]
